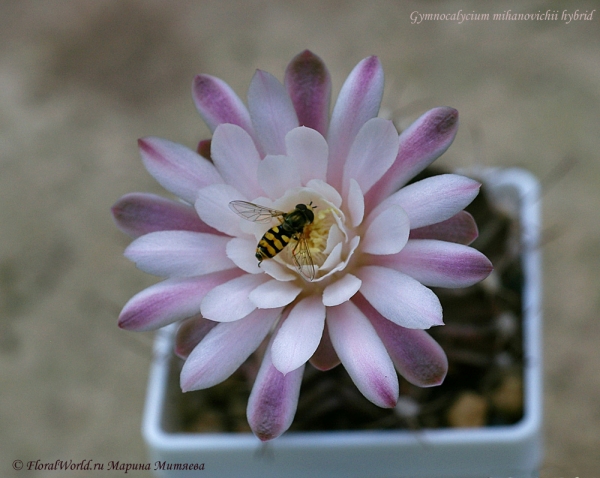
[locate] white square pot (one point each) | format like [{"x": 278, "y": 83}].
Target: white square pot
[{"x": 496, "y": 451}]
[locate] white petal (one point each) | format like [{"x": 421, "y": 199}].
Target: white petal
[
  {"x": 299, "y": 335},
  {"x": 212, "y": 205},
  {"x": 230, "y": 301},
  {"x": 388, "y": 232},
  {"x": 334, "y": 237},
  {"x": 363, "y": 354},
  {"x": 179, "y": 253},
  {"x": 400, "y": 298},
  {"x": 342, "y": 290},
  {"x": 310, "y": 150},
  {"x": 241, "y": 251},
  {"x": 235, "y": 156},
  {"x": 356, "y": 203},
  {"x": 277, "y": 174},
  {"x": 274, "y": 294},
  {"x": 325, "y": 190},
  {"x": 224, "y": 349},
  {"x": 372, "y": 153},
  {"x": 278, "y": 271},
  {"x": 333, "y": 259}
]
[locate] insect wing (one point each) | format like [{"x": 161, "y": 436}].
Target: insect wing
[
  {"x": 254, "y": 212},
  {"x": 302, "y": 259}
]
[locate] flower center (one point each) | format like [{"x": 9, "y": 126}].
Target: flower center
[
  {"x": 326, "y": 240},
  {"x": 317, "y": 233}
]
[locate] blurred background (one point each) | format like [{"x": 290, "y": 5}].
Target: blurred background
[{"x": 81, "y": 80}]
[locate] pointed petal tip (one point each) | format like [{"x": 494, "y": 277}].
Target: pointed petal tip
[
  {"x": 185, "y": 386},
  {"x": 217, "y": 103},
  {"x": 447, "y": 119},
  {"x": 460, "y": 228},
  {"x": 305, "y": 56},
  {"x": 144, "y": 143},
  {"x": 126, "y": 322},
  {"x": 389, "y": 399},
  {"x": 265, "y": 437}
]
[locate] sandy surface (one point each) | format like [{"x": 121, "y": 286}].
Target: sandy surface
[{"x": 80, "y": 81}]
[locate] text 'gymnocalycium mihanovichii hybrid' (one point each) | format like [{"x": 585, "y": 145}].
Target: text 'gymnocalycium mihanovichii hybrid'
[{"x": 301, "y": 225}]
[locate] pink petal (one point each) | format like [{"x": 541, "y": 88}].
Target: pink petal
[
  {"x": 212, "y": 205},
  {"x": 439, "y": 263},
  {"x": 388, "y": 232},
  {"x": 400, "y": 298},
  {"x": 433, "y": 199},
  {"x": 460, "y": 228},
  {"x": 372, "y": 153},
  {"x": 299, "y": 335},
  {"x": 341, "y": 290},
  {"x": 310, "y": 151},
  {"x": 170, "y": 301},
  {"x": 358, "y": 102},
  {"x": 137, "y": 214},
  {"x": 278, "y": 174},
  {"x": 272, "y": 112},
  {"x": 235, "y": 157},
  {"x": 179, "y": 253},
  {"x": 230, "y": 301},
  {"x": 363, "y": 354},
  {"x": 274, "y": 294},
  {"x": 421, "y": 144},
  {"x": 309, "y": 85},
  {"x": 224, "y": 349},
  {"x": 325, "y": 357},
  {"x": 190, "y": 333},
  {"x": 177, "y": 168},
  {"x": 417, "y": 357},
  {"x": 217, "y": 103},
  {"x": 274, "y": 398}
]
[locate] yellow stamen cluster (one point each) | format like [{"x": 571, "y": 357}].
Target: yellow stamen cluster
[{"x": 317, "y": 234}]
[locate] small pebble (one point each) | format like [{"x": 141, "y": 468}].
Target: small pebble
[
  {"x": 468, "y": 411},
  {"x": 508, "y": 398}
]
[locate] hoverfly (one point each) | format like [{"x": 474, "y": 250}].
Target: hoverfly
[{"x": 291, "y": 227}]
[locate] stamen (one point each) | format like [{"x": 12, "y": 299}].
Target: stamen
[{"x": 317, "y": 234}]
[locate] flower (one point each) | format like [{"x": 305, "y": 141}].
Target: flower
[{"x": 376, "y": 244}]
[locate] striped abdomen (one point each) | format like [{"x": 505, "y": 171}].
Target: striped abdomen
[{"x": 272, "y": 243}]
